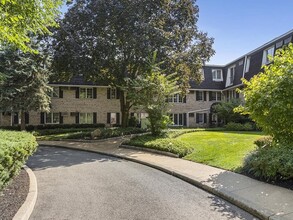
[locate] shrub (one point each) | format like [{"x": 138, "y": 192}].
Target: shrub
[
  {"x": 232, "y": 126},
  {"x": 264, "y": 142},
  {"x": 270, "y": 163},
  {"x": 15, "y": 148},
  {"x": 164, "y": 144}
]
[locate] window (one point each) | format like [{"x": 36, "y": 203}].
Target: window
[
  {"x": 247, "y": 65},
  {"x": 52, "y": 118},
  {"x": 199, "y": 95},
  {"x": 54, "y": 93},
  {"x": 177, "y": 98},
  {"x": 178, "y": 119},
  {"x": 113, "y": 118},
  {"x": 217, "y": 75},
  {"x": 231, "y": 74},
  {"x": 279, "y": 44},
  {"x": 201, "y": 118},
  {"x": 215, "y": 96},
  {"x": 113, "y": 93},
  {"x": 86, "y": 93},
  {"x": 86, "y": 118},
  {"x": 267, "y": 53},
  {"x": 288, "y": 40}
]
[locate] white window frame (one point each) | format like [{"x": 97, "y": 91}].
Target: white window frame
[
  {"x": 113, "y": 118},
  {"x": 86, "y": 93},
  {"x": 177, "y": 98},
  {"x": 178, "y": 115},
  {"x": 247, "y": 65},
  {"x": 266, "y": 53},
  {"x": 230, "y": 76},
  {"x": 89, "y": 118},
  {"x": 216, "y": 73},
  {"x": 51, "y": 116},
  {"x": 217, "y": 96}
]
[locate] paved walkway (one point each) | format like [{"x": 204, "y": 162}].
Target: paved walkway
[{"x": 266, "y": 201}]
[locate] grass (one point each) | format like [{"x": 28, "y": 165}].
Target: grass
[{"x": 223, "y": 149}]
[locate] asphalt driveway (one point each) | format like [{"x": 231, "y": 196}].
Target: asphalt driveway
[{"x": 81, "y": 185}]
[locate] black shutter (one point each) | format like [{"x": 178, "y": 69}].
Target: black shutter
[
  {"x": 42, "y": 119},
  {"x": 60, "y": 118},
  {"x": 77, "y": 118},
  {"x": 77, "y": 92},
  {"x": 197, "y": 118},
  {"x": 95, "y": 93},
  {"x": 95, "y": 118},
  {"x": 211, "y": 96},
  {"x": 237, "y": 95},
  {"x": 26, "y": 118},
  {"x": 184, "y": 99},
  {"x": 108, "y": 118},
  {"x": 15, "y": 118},
  {"x": 204, "y": 95},
  {"x": 118, "y": 93},
  {"x": 205, "y": 118},
  {"x": 197, "y": 95},
  {"x": 60, "y": 92},
  {"x": 108, "y": 93},
  {"x": 118, "y": 118},
  {"x": 184, "y": 119}
]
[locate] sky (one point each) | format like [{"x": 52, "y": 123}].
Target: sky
[{"x": 240, "y": 26}]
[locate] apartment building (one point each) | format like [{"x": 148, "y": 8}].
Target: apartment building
[{"x": 80, "y": 102}]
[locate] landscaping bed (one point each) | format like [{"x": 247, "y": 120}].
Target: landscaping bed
[
  {"x": 84, "y": 133},
  {"x": 13, "y": 196}
]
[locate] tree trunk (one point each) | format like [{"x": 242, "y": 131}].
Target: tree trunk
[
  {"x": 22, "y": 124},
  {"x": 124, "y": 107}
]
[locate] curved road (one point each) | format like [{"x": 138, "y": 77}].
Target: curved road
[{"x": 81, "y": 185}]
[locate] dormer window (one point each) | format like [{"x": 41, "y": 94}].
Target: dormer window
[
  {"x": 230, "y": 76},
  {"x": 247, "y": 65},
  {"x": 217, "y": 75},
  {"x": 269, "y": 52}
]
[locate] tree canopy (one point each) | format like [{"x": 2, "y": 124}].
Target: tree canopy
[
  {"x": 19, "y": 18},
  {"x": 269, "y": 96},
  {"x": 25, "y": 84},
  {"x": 111, "y": 40}
]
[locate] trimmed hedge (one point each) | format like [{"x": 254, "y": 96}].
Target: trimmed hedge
[
  {"x": 53, "y": 126},
  {"x": 15, "y": 148},
  {"x": 232, "y": 126}
]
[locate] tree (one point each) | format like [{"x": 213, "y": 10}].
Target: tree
[
  {"x": 269, "y": 96},
  {"x": 19, "y": 18},
  {"x": 25, "y": 85},
  {"x": 225, "y": 111},
  {"x": 149, "y": 93},
  {"x": 111, "y": 40}
]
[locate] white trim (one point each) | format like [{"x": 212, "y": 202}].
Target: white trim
[
  {"x": 232, "y": 87},
  {"x": 81, "y": 86},
  {"x": 206, "y": 90},
  {"x": 265, "y": 59}
]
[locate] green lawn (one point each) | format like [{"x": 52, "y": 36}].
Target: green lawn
[{"x": 224, "y": 149}]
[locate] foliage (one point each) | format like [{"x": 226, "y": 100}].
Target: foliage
[
  {"x": 223, "y": 149},
  {"x": 25, "y": 85},
  {"x": 20, "y": 18},
  {"x": 160, "y": 143},
  {"x": 232, "y": 126},
  {"x": 133, "y": 122},
  {"x": 268, "y": 96},
  {"x": 15, "y": 148},
  {"x": 273, "y": 162},
  {"x": 225, "y": 111},
  {"x": 86, "y": 133},
  {"x": 55, "y": 127},
  {"x": 149, "y": 93},
  {"x": 111, "y": 40},
  {"x": 266, "y": 141}
]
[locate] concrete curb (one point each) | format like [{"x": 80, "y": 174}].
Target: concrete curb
[
  {"x": 233, "y": 199},
  {"x": 27, "y": 207},
  {"x": 149, "y": 150}
]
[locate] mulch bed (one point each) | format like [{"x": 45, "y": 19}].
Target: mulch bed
[{"x": 14, "y": 195}]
